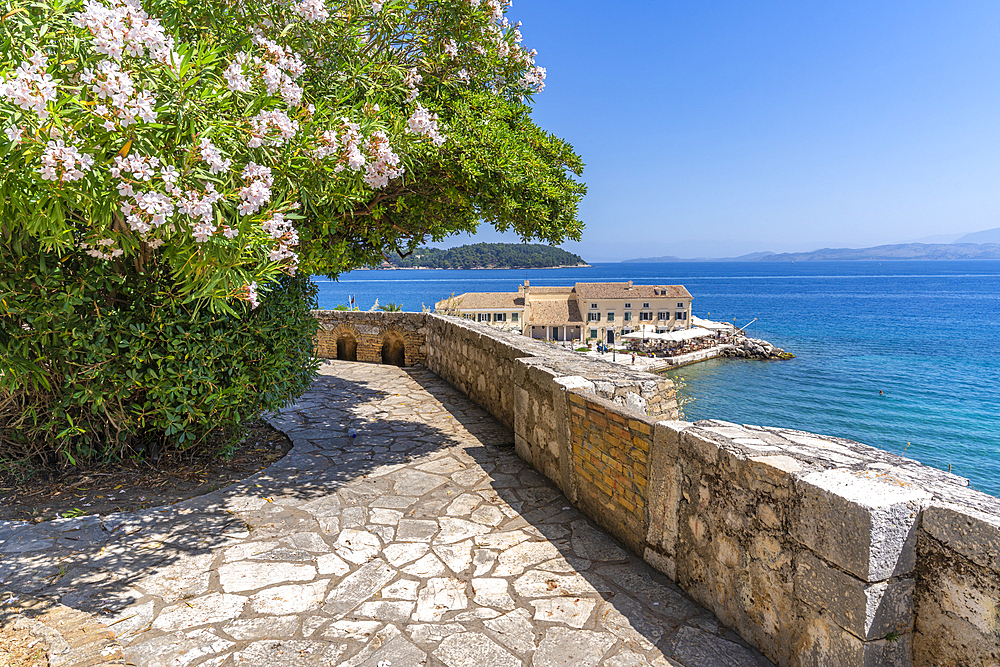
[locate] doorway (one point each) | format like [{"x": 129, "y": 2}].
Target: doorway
[
  {"x": 393, "y": 351},
  {"x": 347, "y": 347}
]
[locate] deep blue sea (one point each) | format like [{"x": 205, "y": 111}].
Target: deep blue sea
[{"x": 925, "y": 333}]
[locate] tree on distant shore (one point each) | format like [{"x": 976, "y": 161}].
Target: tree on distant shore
[
  {"x": 171, "y": 166},
  {"x": 488, "y": 255}
]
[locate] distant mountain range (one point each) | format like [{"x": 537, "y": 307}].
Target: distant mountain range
[
  {"x": 986, "y": 236},
  {"x": 978, "y": 245}
]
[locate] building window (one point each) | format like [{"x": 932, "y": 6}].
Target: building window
[
  {"x": 628, "y": 305},
  {"x": 514, "y": 317},
  {"x": 663, "y": 315},
  {"x": 628, "y": 316},
  {"x": 484, "y": 317},
  {"x": 593, "y": 306},
  {"x": 646, "y": 316},
  {"x": 682, "y": 315},
  {"x": 680, "y": 305},
  {"x": 645, "y": 305},
  {"x": 593, "y": 317},
  {"x": 593, "y": 333},
  {"x": 611, "y": 316},
  {"x": 499, "y": 317}
]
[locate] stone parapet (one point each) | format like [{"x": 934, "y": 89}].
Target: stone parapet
[{"x": 818, "y": 550}]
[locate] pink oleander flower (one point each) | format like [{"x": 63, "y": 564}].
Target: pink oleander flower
[
  {"x": 383, "y": 164},
  {"x": 14, "y": 134},
  {"x": 257, "y": 192},
  {"x": 286, "y": 236},
  {"x": 102, "y": 249},
  {"x": 250, "y": 294},
  {"x": 311, "y": 10},
  {"x": 211, "y": 155},
  {"x": 274, "y": 128},
  {"x": 199, "y": 207},
  {"x": 122, "y": 27},
  {"x": 64, "y": 163},
  {"x": 31, "y": 88},
  {"x": 327, "y": 145},
  {"x": 236, "y": 79},
  {"x": 535, "y": 79},
  {"x": 424, "y": 123}
]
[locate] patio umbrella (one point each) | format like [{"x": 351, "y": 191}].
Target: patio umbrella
[{"x": 686, "y": 334}]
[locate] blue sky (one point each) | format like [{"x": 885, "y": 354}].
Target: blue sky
[{"x": 722, "y": 128}]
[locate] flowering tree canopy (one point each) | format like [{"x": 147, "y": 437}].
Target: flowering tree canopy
[{"x": 231, "y": 141}]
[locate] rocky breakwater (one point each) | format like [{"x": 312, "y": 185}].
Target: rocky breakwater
[{"x": 754, "y": 348}]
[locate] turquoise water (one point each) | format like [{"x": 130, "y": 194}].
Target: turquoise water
[{"x": 925, "y": 333}]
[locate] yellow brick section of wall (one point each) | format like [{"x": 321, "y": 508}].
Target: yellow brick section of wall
[{"x": 611, "y": 452}]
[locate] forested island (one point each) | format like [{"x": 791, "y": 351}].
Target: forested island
[{"x": 487, "y": 256}]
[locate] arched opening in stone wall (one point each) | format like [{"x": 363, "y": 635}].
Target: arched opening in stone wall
[
  {"x": 347, "y": 347},
  {"x": 393, "y": 350}
]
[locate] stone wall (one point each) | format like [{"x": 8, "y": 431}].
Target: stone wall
[
  {"x": 371, "y": 332},
  {"x": 817, "y": 550},
  {"x": 820, "y": 551}
]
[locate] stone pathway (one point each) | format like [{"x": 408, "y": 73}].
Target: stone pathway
[{"x": 424, "y": 540}]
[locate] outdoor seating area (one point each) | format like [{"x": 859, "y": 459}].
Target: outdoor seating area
[{"x": 650, "y": 343}]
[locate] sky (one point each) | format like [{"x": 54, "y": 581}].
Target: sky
[{"x": 715, "y": 129}]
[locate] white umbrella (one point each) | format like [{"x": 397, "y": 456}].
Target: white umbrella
[
  {"x": 709, "y": 324},
  {"x": 645, "y": 331},
  {"x": 686, "y": 334}
]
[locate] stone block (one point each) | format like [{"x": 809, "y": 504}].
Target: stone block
[
  {"x": 775, "y": 469},
  {"x": 667, "y": 435},
  {"x": 864, "y": 524},
  {"x": 576, "y": 384},
  {"x": 974, "y": 535},
  {"x": 663, "y": 494},
  {"x": 822, "y": 642},
  {"x": 957, "y": 611},
  {"x": 662, "y": 562},
  {"x": 866, "y": 610},
  {"x": 699, "y": 446}
]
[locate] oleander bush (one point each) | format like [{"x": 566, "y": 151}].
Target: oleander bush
[{"x": 122, "y": 368}]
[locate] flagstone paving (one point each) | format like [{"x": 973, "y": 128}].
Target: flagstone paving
[{"x": 423, "y": 540}]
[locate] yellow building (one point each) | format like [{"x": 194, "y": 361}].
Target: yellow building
[{"x": 583, "y": 312}]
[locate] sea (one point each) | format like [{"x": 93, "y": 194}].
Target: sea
[{"x": 926, "y": 334}]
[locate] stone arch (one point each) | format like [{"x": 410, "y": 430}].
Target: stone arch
[
  {"x": 346, "y": 338},
  {"x": 393, "y": 349}
]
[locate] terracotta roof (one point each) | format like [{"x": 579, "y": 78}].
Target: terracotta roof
[
  {"x": 555, "y": 312},
  {"x": 591, "y": 291},
  {"x": 484, "y": 300},
  {"x": 550, "y": 290}
]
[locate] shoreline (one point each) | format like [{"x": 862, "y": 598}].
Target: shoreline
[{"x": 477, "y": 268}]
